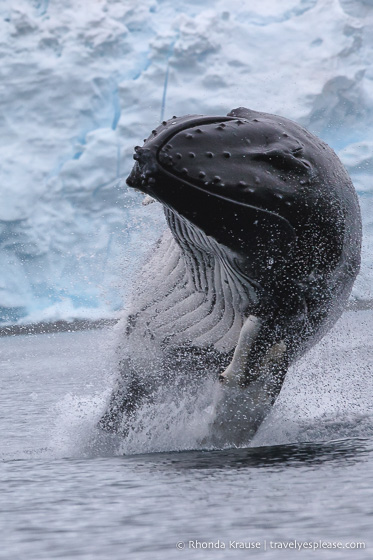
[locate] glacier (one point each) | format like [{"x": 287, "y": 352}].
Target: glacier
[{"x": 83, "y": 82}]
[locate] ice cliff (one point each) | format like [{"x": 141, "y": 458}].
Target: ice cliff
[{"x": 82, "y": 82}]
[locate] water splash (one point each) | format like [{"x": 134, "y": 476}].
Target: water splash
[{"x": 326, "y": 396}]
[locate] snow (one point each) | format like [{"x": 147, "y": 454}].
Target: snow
[{"x": 83, "y": 82}]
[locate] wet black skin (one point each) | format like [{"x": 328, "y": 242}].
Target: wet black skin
[
  {"x": 275, "y": 195},
  {"x": 278, "y": 201}
]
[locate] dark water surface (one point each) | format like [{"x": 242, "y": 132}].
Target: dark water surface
[{"x": 305, "y": 480}]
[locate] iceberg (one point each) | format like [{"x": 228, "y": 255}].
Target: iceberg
[{"x": 81, "y": 85}]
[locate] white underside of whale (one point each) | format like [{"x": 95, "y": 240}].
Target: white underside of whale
[{"x": 189, "y": 297}]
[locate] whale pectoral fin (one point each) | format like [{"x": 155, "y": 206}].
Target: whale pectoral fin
[
  {"x": 234, "y": 375},
  {"x": 250, "y": 384},
  {"x": 245, "y": 371}
]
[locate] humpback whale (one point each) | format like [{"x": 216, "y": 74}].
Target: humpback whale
[{"x": 261, "y": 252}]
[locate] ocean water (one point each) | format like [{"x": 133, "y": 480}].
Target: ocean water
[{"x": 68, "y": 491}]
